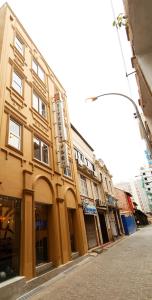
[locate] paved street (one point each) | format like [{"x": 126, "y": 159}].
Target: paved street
[{"x": 123, "y": 272}]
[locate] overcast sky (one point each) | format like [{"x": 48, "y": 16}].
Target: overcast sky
[{"x": 81, "y": 46}]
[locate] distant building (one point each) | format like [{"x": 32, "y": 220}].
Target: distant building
[
  {"x": 126, "y": 207},
  {"x": 139, "y": 195},
  {"x": 146, "y": 179}
]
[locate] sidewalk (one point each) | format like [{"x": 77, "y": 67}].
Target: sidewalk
[{"x": 124, "y": 272}]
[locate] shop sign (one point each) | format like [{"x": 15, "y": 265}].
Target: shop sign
[
  {"x": 64, "y": 155},
  {"x": 60, "y": 119},
  {"x": 89, "y": 208},
  {"x": 62, "y": 133}
]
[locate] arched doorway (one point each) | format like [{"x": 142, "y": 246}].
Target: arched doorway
[{"x": 43, "y": 230}]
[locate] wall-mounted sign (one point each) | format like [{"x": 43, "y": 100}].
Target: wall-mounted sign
[
  {"x": 61, "y": 129},
  {"x": 64, "y": 154},
  {"x": 88, "y": 207}
]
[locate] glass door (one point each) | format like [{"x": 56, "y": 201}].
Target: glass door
[{"x": 41, "y": 226}]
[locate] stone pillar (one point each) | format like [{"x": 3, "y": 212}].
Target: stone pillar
[
  {"x": 81, "y": 231},
  {"x": 27, "y": 228},
  {"x": 54, "y": 242},
  {"x": 63, "y": 224}
]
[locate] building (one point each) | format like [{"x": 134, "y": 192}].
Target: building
[
  {"x": 146, "y": 181},
  {"x": 101, "y": 214},
  {"x": 90, "y": 187},
  {"x": 41, "y": 216},
  {"x": 139, "y": 32},
  {"x": 137, "y": 190},
  {"x": 126, "y": 207},
  {"x": 112, "y": 214}
]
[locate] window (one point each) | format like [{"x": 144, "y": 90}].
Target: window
[
  {"x": 38, "y": 70},
  {"x": 89, "y": 165},
  {"x": 17, "y": 82},
  {"x": 83, "y": 186},
  {"x": 39, "y": 105},
  {"x": 67, "y": 171},
  {"x": 19, "y": 45},
  {"x": 106, "y": 183},
  {"x": 14, "y": 138},
  {"x": 41, "y": 151},
  {"x": 110, "y": 186},
  {"x": 96, "y": 194}
]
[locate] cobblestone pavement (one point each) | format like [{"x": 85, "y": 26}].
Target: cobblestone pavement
[{"x": 123, "y": 272}]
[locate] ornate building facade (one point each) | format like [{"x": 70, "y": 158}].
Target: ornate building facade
[{"x": 41, "y": 217}]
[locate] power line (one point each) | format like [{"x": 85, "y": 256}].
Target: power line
[{"x": 121, "y": 50}]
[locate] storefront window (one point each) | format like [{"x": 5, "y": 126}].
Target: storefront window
[{"x": 9, "y": 237}]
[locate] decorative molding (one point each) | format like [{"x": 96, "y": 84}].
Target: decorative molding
[{"x": 28, "y": 192}]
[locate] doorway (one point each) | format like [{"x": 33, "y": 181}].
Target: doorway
[
  {"x": 90, "y": 230},
  {"x": 71, "y": 220},
  {"x": 103, "y": 228},
  {"x": 41, "y": 235}
]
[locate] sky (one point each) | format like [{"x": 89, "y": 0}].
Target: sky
[{"x": 81, "y": 46}]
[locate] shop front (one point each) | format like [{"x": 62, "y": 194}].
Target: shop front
[
  {"x": 10, "y": 219},
  {"x": 102, "y": 211},
  {"x": 90, "y": 218},
  {"x": 113, "y": 217}
]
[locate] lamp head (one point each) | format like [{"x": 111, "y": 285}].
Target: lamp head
[{"x": 94, "y": 98}]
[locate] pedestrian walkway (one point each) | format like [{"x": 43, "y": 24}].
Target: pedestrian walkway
[{"x": 123, "y": 272}]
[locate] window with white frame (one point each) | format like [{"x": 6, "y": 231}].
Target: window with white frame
[
  {"x": 83, "y": 186},
  {"x": 89, "y": 165},
  {"x": 96, "y": 194},
  {"x": 41, "y": 151},
  {"x": 19, "y": 45},
  {"x": 39, "y": 105},
  {"x": 17, "y": 83},
  {"x": 67, "y": 171},
  {"x": 14, "y": 136},
  {"x": 38, "y": 70}
]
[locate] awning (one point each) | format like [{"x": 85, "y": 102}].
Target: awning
[{"x": 101, "y": 208}]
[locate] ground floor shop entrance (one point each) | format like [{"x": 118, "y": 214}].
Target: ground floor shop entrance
[
  {"x": 90, "y": 230},
  {"x": 41, "y": 236},
  {"x": 72, "y": 226},
  {"x": 103, "y": 226},
  {"x": 10, "y": 219}
]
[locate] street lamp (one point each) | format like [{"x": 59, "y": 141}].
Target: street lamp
[{"x": 137, "y": 114}]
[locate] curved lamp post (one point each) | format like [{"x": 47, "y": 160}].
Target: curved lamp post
[{"x": 137, "y": 114}]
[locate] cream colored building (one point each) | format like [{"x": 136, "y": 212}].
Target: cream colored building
[
  {"x": 41, "y": 216},
  {"x": 96, "y": 188},
  {"x": 112, "y": 214}
]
